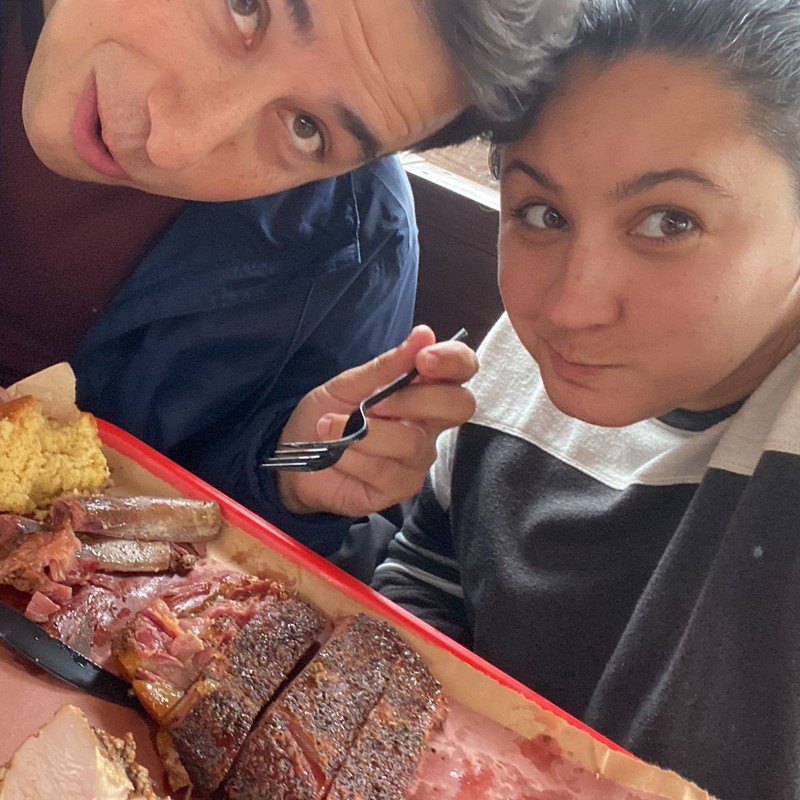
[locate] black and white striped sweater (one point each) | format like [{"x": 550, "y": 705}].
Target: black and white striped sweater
[{"x": 646, "y": 578}]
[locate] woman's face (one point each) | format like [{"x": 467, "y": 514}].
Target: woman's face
[
  {"x": 222, "y": 99},
  {"x": 649, "y": 247}
]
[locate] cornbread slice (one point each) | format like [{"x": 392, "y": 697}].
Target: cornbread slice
[{"x": 41, "y": 459}]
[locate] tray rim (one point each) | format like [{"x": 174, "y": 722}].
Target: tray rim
[{"x": 190, "y": 485}]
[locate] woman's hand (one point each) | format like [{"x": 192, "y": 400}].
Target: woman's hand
[{"x": 389, "y": 464}]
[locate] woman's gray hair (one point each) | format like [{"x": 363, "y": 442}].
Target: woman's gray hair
[
  {"x": 505, "y": 50},
  {"x": 753, "y": 45}
]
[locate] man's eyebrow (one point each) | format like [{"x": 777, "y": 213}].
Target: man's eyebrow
[
  {"x": 647, "y": 180},
  {"x": 368, "y": 142},
  {"x": 300, "y": 12},
  {"x": 541, "y": 177}
]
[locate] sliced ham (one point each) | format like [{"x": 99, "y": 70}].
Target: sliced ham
[
  {"x": 163, "y": 651},
  {"x": 103, "y": 607},
  {"x": 40, "y": 608}
]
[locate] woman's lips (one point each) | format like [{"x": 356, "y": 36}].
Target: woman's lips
[
  {"x": 87, "y": 135},
  {"x": 573, "y": 372}
]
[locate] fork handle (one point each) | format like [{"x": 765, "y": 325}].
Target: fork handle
[
  {"x": 394, "y": 386},
  {"x": 403, "y": 380}
]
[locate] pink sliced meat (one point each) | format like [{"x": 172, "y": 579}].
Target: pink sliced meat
[
  {"x": 42, "y": 561},
  {"x": 210, "y": 724},
  {"x": 40, "y": 608},
  {"x": 304, "y": 736},
  {"x": 106, "y": 604},
  {"x": 163, "y": 651},
  {"x": 167, "y": 519}
]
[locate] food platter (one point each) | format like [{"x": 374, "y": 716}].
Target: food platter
[{"x": 501, "y": 740}]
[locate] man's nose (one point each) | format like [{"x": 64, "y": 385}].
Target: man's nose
[
  {"x": 588, "y": 289},
  {"x": 186, "y": 125}
]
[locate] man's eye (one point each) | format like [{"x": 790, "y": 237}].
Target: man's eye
[
  {"x": 666, "y": 224},
  {"x": 540, "y": 215},
  {"x": 251, "y": 17},
  {"x": 305, "y": 134}
]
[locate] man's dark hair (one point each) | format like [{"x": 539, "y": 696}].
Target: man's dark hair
[
  {"x": 505, "y": 50},
  {"x": 753, "y": 45}
]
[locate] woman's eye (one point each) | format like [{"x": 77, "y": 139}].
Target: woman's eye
[
  {"x": 251, "y": 17},
  {"x": 305, "y": 133},
  {"x": 665, "y": 224},
  {"x": 540, "y": 215}
]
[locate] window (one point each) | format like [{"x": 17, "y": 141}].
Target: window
[{"x": 463, "y": 169}]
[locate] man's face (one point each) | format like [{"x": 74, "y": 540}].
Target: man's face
[
  {"x": 225, "y": 99},
  {"x": 650, "y": 245}
]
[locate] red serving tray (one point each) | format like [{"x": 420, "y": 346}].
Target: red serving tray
[{"x": 191, "y": 486}]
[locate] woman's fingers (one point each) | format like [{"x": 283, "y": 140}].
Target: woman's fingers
[
  {"x": 450, "y": 362},
  {"x": 390, "y": 463},
  {"x": 436, "y": 406}
]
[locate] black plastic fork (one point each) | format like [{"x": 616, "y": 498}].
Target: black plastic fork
[{"x": 314, "y": 456}]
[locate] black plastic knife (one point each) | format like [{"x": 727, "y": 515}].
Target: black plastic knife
[{"x": 59, "y": 659}]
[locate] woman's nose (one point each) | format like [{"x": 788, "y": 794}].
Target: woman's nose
[
  {"x": 187, "y": 125},
  {"x": 587, "y": 291}
]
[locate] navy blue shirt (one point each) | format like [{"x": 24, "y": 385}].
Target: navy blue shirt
[{"x": 239, "y": 310}]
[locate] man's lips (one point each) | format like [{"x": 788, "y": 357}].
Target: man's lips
[{"x": 87, "y": 135}]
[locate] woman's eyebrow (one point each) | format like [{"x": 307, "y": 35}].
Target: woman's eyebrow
[
  {"x": 641, "y": 183},
  {"x": 647, "y": 180},
  {"x": 300, "y": 12},
  {"x": 541, "y": 177}
]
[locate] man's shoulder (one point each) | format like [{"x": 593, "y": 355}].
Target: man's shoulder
[{"x": 376, "y": 196}]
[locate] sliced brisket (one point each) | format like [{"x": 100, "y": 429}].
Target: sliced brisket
[
  {"x": 209, "y": 725},
  {"x": 382, "y": 762},
  {"x": 299, "y": 744}
]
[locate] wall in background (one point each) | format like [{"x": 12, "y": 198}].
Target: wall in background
[{"x": 458, "y": 255}]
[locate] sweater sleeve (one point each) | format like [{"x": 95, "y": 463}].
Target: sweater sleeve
[{"x": 421, "y": 569}]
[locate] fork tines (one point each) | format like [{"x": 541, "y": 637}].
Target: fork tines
[
  {"x": 313, "y": 456},
  {"x": 305, "y": 456}
]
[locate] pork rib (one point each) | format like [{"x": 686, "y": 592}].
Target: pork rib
[
  {"x": 42, "y": 561},
  {"x": 209, "y": 725}
]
